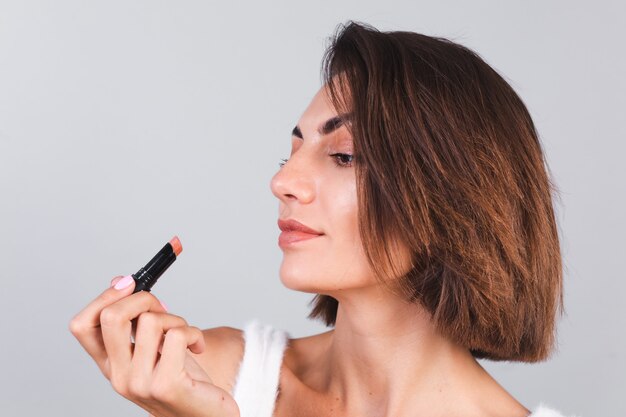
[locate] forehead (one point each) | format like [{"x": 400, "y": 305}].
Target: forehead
[
  {"x": 321, "y": 118},
  {"x": 319, "y": 109}
]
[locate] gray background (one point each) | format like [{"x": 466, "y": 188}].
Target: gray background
[{"x": 104, "y": 103}]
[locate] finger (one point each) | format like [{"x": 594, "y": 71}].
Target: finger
[
  {"x": 115, "y": 324},
  {"x": 174, "y": 351},
  {"x": 85, "y": 325},
  {"x": 116, "y": 279},
  {"x": 148, "y": 338},
  {"x": 195, "y": 371},
  {"x": 90, "y": 315}
]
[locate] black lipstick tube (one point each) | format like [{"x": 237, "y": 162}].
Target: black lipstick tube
[{"x": 147, "y": 276}]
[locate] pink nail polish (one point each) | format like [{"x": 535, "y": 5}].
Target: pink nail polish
[
  {"x": 164, "y": 305},
  {"x": 115, "y": 281},
  {"x": 124, "y": 282}
]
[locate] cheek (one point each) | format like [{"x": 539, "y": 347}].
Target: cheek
[
  {"x": 335, "y": 261},
  {"x": 344, "y": 224}
]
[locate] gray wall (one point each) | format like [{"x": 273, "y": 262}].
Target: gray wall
[{"x": 102, "y": 103}]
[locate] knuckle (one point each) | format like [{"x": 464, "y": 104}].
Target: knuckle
[
  {"x": 196, "y": 342},
  {"x": 110, "y": 316},
  {"x": 180, "y": 319},
  {"x": 138, "y": 388},
  {"x": 147, "y": 319},
  {"x": 119, "y": 384},
  {"x": 76, "y": 326},
  {"x": 176, "y": 333},
  {"x": 195, "y": 332}
]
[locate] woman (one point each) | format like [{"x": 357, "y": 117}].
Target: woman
[{"x": 417, "y": 205}]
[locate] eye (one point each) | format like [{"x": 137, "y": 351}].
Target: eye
[{"x": 343, "y": 160}]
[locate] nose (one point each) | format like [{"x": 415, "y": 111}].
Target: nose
[{"x": 294, "y": 181}]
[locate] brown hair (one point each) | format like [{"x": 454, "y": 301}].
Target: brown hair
[{"x": 448, "y": 161}]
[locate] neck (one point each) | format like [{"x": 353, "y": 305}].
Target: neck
[{"x": 385, "y": 356}]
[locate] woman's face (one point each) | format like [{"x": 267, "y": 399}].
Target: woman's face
[{"x": 317, "y": 187}]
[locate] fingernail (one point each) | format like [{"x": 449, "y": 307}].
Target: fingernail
[
  {"x": 115, "y": 280},
  {"x": 164, "y": 305},
  {"x": 124, "y": 282}
]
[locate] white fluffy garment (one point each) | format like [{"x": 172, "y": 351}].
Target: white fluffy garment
[
  {"x": 256, "y": 386},
  {"x": 543, "y": 410}
]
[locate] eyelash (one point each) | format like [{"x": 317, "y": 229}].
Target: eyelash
[{"x": 336, "y": 157}]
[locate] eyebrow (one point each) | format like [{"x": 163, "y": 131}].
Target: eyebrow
[{"x": 327, "y": 127}]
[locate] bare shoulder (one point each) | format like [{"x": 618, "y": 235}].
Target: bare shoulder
[
  {"x": 222, "y": 355},
  {"x": 303, "y": 353}
]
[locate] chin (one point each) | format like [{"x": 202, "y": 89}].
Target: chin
[
  {"x": 313, "y": 279},
  {"x": 306, "y": 279},
  {"x": 300, "y": 282}
]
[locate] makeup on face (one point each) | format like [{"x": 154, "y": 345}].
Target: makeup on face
[{"x": 147, "y": 276}]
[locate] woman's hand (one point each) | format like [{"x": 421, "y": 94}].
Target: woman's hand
[{"x": 156, "y": 372}]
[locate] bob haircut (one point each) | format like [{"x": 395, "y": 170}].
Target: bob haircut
[{"x": 448, "y": 162}]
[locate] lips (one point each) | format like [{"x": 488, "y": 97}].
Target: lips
[
  {"x": 290, "y": 225},
  {"x": 294, "y": 231}
]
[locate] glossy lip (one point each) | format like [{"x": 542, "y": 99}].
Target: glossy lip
[
  {"x": 294, "y": 231},
  {"x": 289, "y": 225}
]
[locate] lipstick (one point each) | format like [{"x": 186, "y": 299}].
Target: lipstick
[
  {"x": 147, "y": 276},
  {"x": 293, "y": 231}
]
